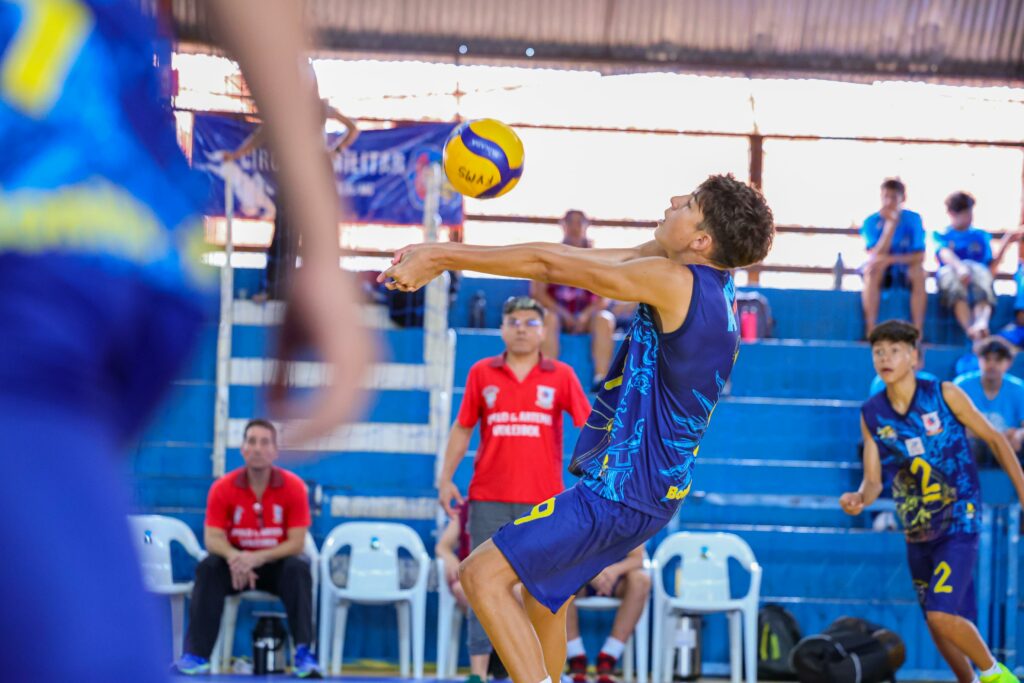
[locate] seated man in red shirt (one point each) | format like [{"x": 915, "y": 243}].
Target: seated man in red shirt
[
  {"x": 518, "y": 399},
  {"x": 255, "y": 532},
  {"x": 574, "y": 310}
]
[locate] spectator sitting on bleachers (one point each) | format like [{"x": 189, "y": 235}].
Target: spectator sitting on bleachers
[
  {"x": 518, "y": 399},
  {"x": 965, "y": 254},
  {"x": 895, "y": 242},
  {"x": 255, "y": 533},
  {"x": 575, "y": 310},
  {"x": 628, "y": 581},
  {"x": 997, "y": 395},
  {"x": 1014, "y": 332}
]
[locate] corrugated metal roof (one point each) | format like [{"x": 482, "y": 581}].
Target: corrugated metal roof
[{"x": 897, "y": 38}]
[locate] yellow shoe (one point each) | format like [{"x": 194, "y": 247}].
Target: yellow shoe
[{"x": 1004, "y": 676}]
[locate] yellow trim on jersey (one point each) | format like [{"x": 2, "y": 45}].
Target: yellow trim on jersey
[
  {"x": 95, "y": 216},
  {"x": 39, "y": 57}
]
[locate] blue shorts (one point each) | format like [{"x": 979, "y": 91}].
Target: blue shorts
[
  {"x": 943, "y": 574},
  {"x": 567, "y": 540}
]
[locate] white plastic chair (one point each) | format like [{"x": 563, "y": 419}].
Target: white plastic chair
[
  {"x": 704, "y": 589},
  {"x": 153, "y": 535},
  {"x": 220, "y": 660},
  {"x": 449, "y": 626},
  {"x": 638, "y": 644},
  {"x": 373, "y": 579}
]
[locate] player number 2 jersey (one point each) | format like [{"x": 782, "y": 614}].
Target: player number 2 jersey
[
  {"x": 641, "y": 439},
  {"x": 926, "y": 456}
]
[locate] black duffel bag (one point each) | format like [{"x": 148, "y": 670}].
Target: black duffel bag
[{"x": 849, "y": 651}]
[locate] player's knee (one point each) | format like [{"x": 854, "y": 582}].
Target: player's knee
[
  {"x": 469, "y": 573},
  {"x": 941, "y": 622}
]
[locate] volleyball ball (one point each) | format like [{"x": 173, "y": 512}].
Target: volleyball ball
[{"x": 483, "y": 158}]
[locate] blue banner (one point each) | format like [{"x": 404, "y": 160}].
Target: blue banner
[{"x": 381, "y": 177}]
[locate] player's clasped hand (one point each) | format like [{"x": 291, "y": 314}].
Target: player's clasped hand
[
  {"x": 412, "y": 267},
  {"x": 604, "y": 583},
  {"x": 852, "y": 503}
]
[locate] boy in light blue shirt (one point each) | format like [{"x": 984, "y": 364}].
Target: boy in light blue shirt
[
  {"x": 895, "y": 242},
  {"x": 996, "y": 394},
  {"x": 965, "y": 277}
]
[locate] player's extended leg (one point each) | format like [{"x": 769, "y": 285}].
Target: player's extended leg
[
  {"x": 634, "y": 590},
  {"x": 489, "y": 582},
  {"x": 964, "y": 636},
  {"x": 954, "y": 656},
  {"x": 551, "y": 631}
]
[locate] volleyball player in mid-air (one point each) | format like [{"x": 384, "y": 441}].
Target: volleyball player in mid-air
[{"x": 636, "y": 454}]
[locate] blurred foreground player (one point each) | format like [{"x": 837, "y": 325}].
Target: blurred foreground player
[
  {"x": 102, "y": 298},
  {"x": 914, "y": 431},
  {"x": 635, "y": 456}
]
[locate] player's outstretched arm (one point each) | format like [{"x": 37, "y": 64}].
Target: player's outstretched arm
[
  {"x": 269, "y": 45},
  {"x": 854, "y": 502},
  {"x": 653, "y": 280},
  {"x": 962, "y": 406}
]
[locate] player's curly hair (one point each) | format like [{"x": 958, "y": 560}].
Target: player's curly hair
[
  {"x": 738, "y": 219},
  {"x": 894, "y": 331}
]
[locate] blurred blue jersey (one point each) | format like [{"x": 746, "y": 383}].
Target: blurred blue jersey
[{"x": 90, "y": 161}]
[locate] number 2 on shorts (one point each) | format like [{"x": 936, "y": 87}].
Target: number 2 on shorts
[
  {"x": 538, "y": 512},
  {"x": 943, "y": 571}
]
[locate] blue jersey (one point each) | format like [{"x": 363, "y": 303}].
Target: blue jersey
[
  {"x": 926, "y": 456},
  {"x": 640, "y": 442},
  {"x": 90, "y": 162},
  {"x": 971, "y": 244}
]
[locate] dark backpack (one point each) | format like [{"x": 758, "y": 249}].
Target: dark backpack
[
  {"x": 754, "y": 306},
  {"x": 777, "y": 635},
  {"x": 849, "y": 651}
]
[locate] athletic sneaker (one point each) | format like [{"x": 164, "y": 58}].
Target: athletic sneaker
[
  {"x": 1004, "y": 676},
  {"x": 306, "y": 665},
  {"x": 605, "y": 668},
  {"x": 190, "y": 665},
  {"x": 473, "y": 678},
  {"x": 578, "y": 669}
]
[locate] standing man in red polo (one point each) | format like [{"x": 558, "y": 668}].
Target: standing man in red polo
[
  {"x": 255, "y": 532},
  {"x": 518, "y": 399}
]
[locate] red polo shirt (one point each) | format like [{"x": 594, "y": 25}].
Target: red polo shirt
[
  {"x": 520, "y": 454},
  {"x": 252, "y": 524}
]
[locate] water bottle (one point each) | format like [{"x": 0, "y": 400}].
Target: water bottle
[
  {"x": 748, "y": 324},
  {"x": 268, "y": 638},
  {"x": 837, "y": 273},
  {"x": 478, "y": 310}
]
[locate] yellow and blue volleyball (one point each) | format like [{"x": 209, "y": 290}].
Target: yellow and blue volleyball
[{"x": 483, "y": 158}]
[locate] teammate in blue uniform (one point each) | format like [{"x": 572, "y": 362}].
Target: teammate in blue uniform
[
  {"x": 103, "y": 295},
  {"x": 637, "y": 452},
  {"x": 914, "y": 434}
]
